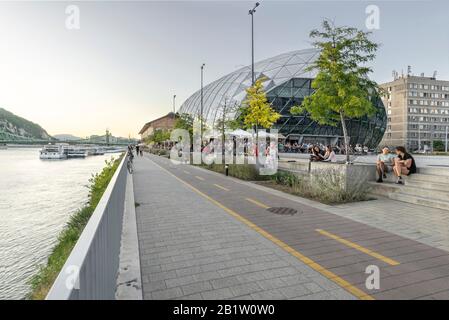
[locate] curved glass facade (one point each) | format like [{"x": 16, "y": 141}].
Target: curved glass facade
[{"x": 287, "y": 85}]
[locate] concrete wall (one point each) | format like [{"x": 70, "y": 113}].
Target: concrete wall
[{"x": 354, "y": 175}]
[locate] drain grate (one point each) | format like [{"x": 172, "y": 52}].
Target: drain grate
[{"x": 283, "y": 211}]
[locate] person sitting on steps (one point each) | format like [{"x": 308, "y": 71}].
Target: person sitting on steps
[
  {"x": 384, "y": 164},
  {"x": 404, "y": 164}
]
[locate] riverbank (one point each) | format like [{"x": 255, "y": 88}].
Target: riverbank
[{"x": 43, "y": 280}]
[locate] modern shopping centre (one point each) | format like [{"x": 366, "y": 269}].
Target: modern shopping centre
[{"x": 288, "y": 82}]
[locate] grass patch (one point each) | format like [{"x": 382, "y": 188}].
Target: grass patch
[
  {"x": 327, "y": 187},
  {"x": 45, "y": 277}
]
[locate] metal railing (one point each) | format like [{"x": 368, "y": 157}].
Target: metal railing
[{"x": 90, "y": 271}]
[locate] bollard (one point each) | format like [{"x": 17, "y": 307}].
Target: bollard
[{"x": 227, "y": 170}]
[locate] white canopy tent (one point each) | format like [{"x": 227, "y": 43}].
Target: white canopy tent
[{"x": 240, "y": 133}]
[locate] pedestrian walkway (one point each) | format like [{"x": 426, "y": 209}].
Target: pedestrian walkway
[
  {"x": 204, "y": 235},
  {"x": 192, "y": 249}
]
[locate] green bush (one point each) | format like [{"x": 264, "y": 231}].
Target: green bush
[
  {"x": 438, "y": 145},
  {"x": 327, "y": 186},
  {"x": 43, "y": 280}
]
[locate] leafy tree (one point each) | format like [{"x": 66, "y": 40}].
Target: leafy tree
[
  {"x": 158, "y": 136},
  {"x": 342, "y": 87},
  {"x": 438, "y": 145},
  {"x": 224, "y": 123},
  {"x": 185, "y": 121},
  {"x": 258, "y": 111}
]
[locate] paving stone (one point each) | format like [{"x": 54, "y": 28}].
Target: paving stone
[
  {"x": 171, "y": 293},
  {"x": 219, "y": 294}
]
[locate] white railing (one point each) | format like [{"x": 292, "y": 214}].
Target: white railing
[{"x": 90, "y": 271}]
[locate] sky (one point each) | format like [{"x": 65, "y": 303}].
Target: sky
[{"x": 127, "y": 59}]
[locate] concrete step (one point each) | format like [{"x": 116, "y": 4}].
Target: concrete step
[
  {"x": 426, "y": 193},
  {"x": 415, "y": 194},
  {"x": 383, "y": 189},
  {"x": 427, "y": 185},
  {"x": 435, "y": 170},
  {"x": 423, "y": 201},
  {"x": 441, "y": 179},
  {"x": 295, "y": 166}
]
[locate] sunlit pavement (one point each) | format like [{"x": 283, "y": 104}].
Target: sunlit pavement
[{"x": 204, "y": 235}]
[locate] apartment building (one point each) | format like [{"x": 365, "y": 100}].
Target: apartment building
[{"x": 417, "y": 112}]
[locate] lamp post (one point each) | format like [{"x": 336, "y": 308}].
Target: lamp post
[
  {"x": 251, "y": 12},
  {"x": 174, "y": 103},
  {"x": 446, "y": 139},
  {"x": 201, "y": 112}
]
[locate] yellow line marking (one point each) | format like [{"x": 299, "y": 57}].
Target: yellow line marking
[
  {"x": 257, "y": 203},
  {"x": 199, "y": 178},
  {"x": 221, "y": 187},
  {"x": 185, "y": 171},
  {"x": 358, "y": 247},
  {"x": 312, "y": 264}
]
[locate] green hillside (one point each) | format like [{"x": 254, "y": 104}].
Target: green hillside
[{"x": 15, "y": 128}]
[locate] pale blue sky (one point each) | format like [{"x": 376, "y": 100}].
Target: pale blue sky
[{"x": 123, "y": 66}]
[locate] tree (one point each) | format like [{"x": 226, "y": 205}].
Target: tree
[
  {"x": 342, "y": 87},
  {"x": 224, "y": 123},
  {"x": 185, "y": 121},
  {"x": 438, "y": 145},
  {"x": 258, "y": 111}
]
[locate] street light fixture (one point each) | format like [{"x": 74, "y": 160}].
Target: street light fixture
[
  {"x": 251, "y": 12},
  {"x": 174, "y": 104}
]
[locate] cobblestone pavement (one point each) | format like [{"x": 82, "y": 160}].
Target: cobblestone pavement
[
  {"x": 191, "y": 249},
  {"x": 194, "y": 245}
]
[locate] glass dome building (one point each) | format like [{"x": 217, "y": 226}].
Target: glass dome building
[{"x": 288, "y": 82}]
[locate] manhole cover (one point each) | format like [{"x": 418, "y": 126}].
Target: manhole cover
[{"x": 283, "y": 211}]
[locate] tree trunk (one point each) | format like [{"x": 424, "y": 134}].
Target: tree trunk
[{"x": 345, "y": 135}]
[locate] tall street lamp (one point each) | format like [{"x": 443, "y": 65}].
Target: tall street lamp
[
  {"x": 174, "y": 103},
  {"x": 251, "y": 12},
  {"x": 201, "y": 112}
]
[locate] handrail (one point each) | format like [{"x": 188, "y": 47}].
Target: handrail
[{"x": 90, "y": 271}]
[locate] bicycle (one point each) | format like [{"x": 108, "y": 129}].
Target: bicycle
[{"x": 129, "y": 163}]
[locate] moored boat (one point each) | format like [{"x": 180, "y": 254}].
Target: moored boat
[{"x": 53, "y": 152}]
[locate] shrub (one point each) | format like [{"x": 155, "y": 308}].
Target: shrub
[{"x": 327, "y": 186}]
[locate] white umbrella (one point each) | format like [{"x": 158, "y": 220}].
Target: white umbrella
[
  {"x": 240, "y": 133},
  {"x": 264, "y": 134}
]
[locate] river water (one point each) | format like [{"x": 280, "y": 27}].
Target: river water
[{"x": 37, "y": 198}]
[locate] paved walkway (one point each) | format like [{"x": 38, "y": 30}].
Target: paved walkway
[
  {"x": 192, "y": 249},
  {"x": 423, "y": 224},
  {"x": 203, "y": 235}
]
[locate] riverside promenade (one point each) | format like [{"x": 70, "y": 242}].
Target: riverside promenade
[{"x": 206, "y": 236}]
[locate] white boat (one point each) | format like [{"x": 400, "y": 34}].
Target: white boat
[
  {"x": 53, "y": 152},
  {"x": 76, "y": 152}
]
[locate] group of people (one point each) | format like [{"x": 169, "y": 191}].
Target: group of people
[
  {"x": 401, "y": 163},
  {"x": 138, "y": 148},
  {"x": 328, "y": 155},
  {"x": 295, "y": 147}
]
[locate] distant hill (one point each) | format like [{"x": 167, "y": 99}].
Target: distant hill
[
  {"x": 15, "y": 128},
  {"x": 66, "y": 137}
]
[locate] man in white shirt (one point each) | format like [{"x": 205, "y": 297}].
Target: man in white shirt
[{"x": 385, "y": 163}]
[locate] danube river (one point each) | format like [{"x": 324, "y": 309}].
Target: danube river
[{"x": 37, "y": 198}]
